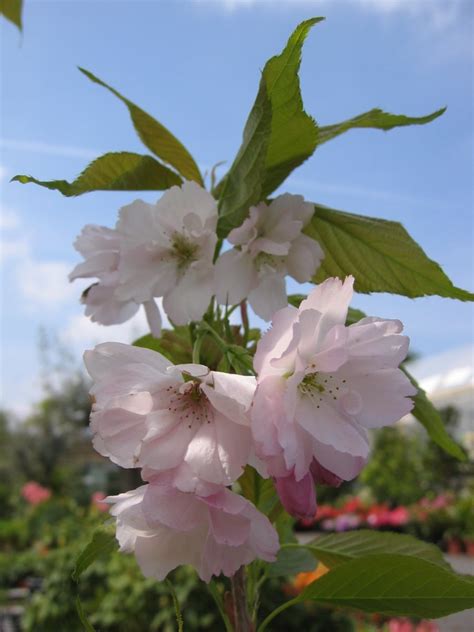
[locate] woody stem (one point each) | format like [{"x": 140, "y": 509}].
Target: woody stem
[{"x": 242, "y": 621}]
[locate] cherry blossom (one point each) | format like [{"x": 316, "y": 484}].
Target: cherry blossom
[
  {"x": 216, "y": 532},
  {"x": 320, "y": 386},
  {"x": 268, "y": 246},
  {"x": 168, "y": 249},
  {"x": 100, "y": 247},
  {"x": 151, "y": 413}
]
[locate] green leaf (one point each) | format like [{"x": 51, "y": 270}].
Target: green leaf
[
  {"x": 261, "y": 492},
  {"x": 379, "y": 253},
  {"x": 102, "y": 543},
  {"x": 429, "y": 417},
  {"x": 292, "y": 561},
  {"x": 174, "y": 344},
  {"x": 398, "y": 585},
  {"x": 156, "y": 137},
  {"x": 374, "y": 119},
  {"x": 88, "y": 627},
  {"x": 242, "y": 186},
  {"x": 12, "y": 10},
  {"x": 353, "y": 316},
  {"x": 117, "y": 171},
  {"x": 337, "y": 548},
  {"x": 294, "y": 133},
  {"x": 278, "y": 136}
]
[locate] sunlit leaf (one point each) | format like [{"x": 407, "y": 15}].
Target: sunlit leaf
[
  {"x": 294, "y": 133},
  {"x": 374, "y": 119},
  {"x": 156, "y": 137},
  {"x": 102, "y": 543},
  {"x": 396, "y": 585},
  {"x": 12, "y": 10},
  {"x": 380, "y": 254},
  {"x": 429, "y": 417},
  {"x": 120, "y": 171},
  {"x": 337, "y": 548},
  {"x": 278, "y": 136}
]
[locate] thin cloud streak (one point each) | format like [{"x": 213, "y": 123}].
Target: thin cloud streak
[{"x": 65, "y": 151}]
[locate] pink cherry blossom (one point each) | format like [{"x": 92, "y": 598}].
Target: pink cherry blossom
[
  {"x": 268, "y": 246},
  {"x": 100, "y": 246},
  {"x": 322, "y": 384},
  {"x": 151, "y": 413},
  {"x": 168, "y": 249},
  {"x": 216, "y": 533}
]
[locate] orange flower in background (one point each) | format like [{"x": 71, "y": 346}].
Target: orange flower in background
[{"x": 304, "y": 579}]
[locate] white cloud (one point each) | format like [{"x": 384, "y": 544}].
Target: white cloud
[
  {"x": 65, "y": 151},
  {"x": 8, "y": 218},
  {"x": 13, "y": 248},
  {"x": 81, "y": 333},
  {"x": 45, "y": 282},
  {"x": 440, "y": 14}
]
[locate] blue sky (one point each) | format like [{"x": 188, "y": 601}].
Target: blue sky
[{"x": 195, "y": 66}]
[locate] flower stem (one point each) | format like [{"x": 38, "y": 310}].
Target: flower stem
[
  {"x": 276, "y": 612},
  {"x": 212, "y": 588},
  {"x": 242, "y": 621}
]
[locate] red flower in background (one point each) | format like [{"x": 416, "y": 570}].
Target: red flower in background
[{"x": 34, "y": 493}]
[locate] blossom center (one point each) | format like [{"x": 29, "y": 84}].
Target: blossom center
[
  {"x": 321, "y": 387},
  {"x": 188, "y": 402},
  {"x": 183, "y": 250},
  {"x": 266, "y": 260}
]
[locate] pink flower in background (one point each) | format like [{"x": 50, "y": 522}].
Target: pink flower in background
[
  {"x": 268, "y": 246},
  {"x": 399, "y": 516},
  {"x": 97, "y": 501},
  {"x": 167, "y": 250},
  {"x": 34, "y": 493},
  {"x": 400, "y": 625},
  {"x": 216, "y": 533},
  {"x": 151, "y": 413},
  {"x": 322, "y": 384},
  {"x": 426, "y": 626}
]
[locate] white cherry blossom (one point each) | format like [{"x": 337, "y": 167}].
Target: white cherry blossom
[
  {"x": 151, "y": 413},
  {"x": 268, "y": 246},
  {"x": 100, "y": 246},
  {"x": 167, "y": 250},
  {"x": 216, "y": 532}
]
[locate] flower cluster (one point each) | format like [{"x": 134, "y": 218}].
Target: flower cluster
[
  {"x": 188, "y": 429},
  {"x": 302, "y": 419},
  {"x": 166, "y": 250}
]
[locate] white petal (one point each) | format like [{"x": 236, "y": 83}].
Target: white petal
[
  {"x": 343, "y": 464},
  {"x": 275, "y": 341},
  {"x": 269, "y": 296},
  {"x": 374, "y": 343},
  {"x": 304, "y": 258},
  {"x": 109, "y": 356},
  {"x": 153, "y": 317},
  {"x": 385, "y": 397},
  {"x": 231, "y": 394},
  {"x": 331, "y": 298},
  {"x": 190, "y": 298},
  {"x": 235, "y": 277},
  {"x": 328, "y": 425}
]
